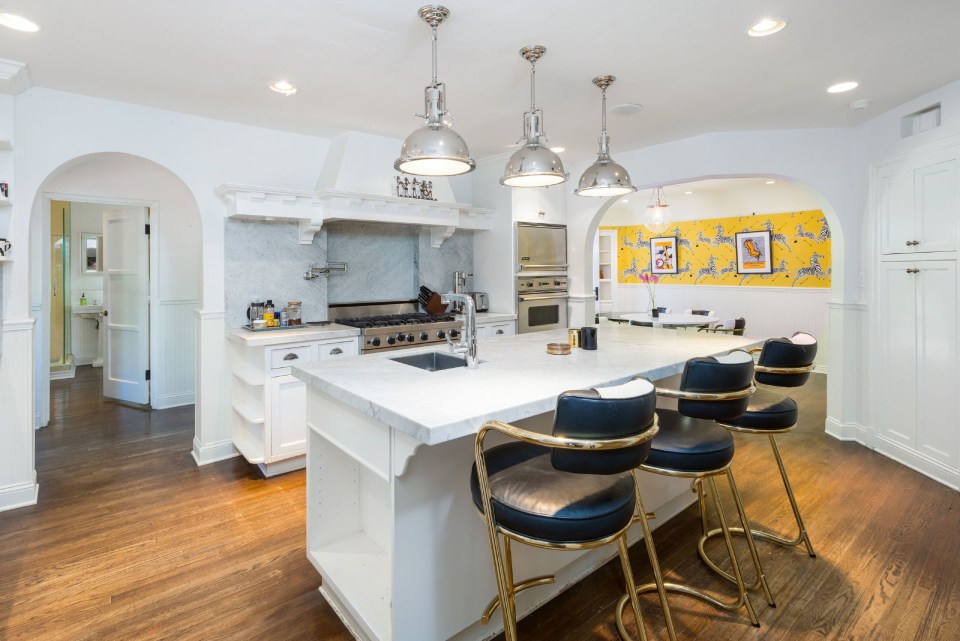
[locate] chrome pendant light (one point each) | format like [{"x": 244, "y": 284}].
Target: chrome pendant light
[
  {"x": 604, "y": 177},
  {"x": 534, "y": 164},
  {"x": 434, "y": 149},
  {"x": 657, "y": 217}
]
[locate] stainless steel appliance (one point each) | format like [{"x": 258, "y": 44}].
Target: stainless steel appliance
[
  {"x": 541, "y": 247},
  {"x": 542, "y": 303},
  {"x": 480, "y": 300},
  {"x": 387, "y": 326}
]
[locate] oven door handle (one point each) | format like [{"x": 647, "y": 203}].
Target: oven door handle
[{"x": 526, "y": 297}]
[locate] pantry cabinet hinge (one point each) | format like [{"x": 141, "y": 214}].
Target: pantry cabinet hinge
[
  {"x": 148, "y": 374},
  {"x": 146, "y": 229}
]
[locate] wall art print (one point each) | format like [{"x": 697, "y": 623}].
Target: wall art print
[
  {"x": 663, "y": 255},
  {"x": 799, "y": 248},
  {"x": 753, "y": 252}
]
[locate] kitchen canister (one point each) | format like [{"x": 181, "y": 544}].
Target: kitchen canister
[
  {"x": 573, "y": 337},
  {"x": 588, "y": 338}
]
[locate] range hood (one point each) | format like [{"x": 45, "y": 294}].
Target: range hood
[{"x": 357, "y": 183}]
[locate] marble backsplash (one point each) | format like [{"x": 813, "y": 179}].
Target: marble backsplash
[{"x": 385, "y": 262}]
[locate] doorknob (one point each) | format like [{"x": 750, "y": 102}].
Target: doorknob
[{"x": 106, "y": 313}]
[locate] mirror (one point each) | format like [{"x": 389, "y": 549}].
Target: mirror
[{"x": 91, "y": 253}]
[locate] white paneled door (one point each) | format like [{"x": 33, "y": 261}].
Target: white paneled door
[{"x": 126, "y": 305}]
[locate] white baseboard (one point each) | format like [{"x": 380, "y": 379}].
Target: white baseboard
[
  {"x": 69, "y": 373},
  {"x": 206, "y": 454},
  {"x": 173, "y": 400},
  {"x": 919, "y": 463},
  {"x": 83, "y": 360},
  {"x": 845, "y": 431},
  {"x": 20, "y": 495}
]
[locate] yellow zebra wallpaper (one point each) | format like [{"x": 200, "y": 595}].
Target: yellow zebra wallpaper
[{"x": 706, "y": 251}]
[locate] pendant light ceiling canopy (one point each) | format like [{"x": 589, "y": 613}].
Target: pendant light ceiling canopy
[
  {"x": 657, "y": 217},
  {"x": 534, "y": 164},
  {"x": 434, "y": 149},
  {"x": 604, "y": 177}
]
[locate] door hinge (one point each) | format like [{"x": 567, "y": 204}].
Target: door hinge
[
  {"x": 146, "y": 229},
  {"x": 148, "y": 374}
]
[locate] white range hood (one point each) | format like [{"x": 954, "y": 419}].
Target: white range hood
[{"x": 357, "y": 183}]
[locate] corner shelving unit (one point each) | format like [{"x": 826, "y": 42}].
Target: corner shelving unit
[{"x": 607, "y": 255}]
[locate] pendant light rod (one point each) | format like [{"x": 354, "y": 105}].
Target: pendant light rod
[{"x": 603, "y": 82}]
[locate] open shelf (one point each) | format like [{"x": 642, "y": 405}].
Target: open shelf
[
  {"x": 247, "y": 414},
  {"x": 358, "y": 567}
]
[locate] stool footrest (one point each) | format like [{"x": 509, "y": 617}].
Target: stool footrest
[
  {"x": 520, "y": 587},
  {"x": 758, "y": 584},
  {"x": 731, "y": 606}
]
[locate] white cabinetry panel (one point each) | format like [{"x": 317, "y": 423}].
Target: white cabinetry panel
[
  {"x": 936, "y": 207},
  {"x": 898, "y": 356},
  {"x": 918, "y": 204},
  {"x": 288, "y": 416}
]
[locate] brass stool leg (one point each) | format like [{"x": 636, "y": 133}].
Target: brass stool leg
[
  {"x": 514, "y": 587},
  {"x": 741, "y": 588},
  {"x": 655, "y": 565},
  {"x": 504, "y": 587},
  {"x": 761, "y": 578},
  {"x": 803, "y": 536},
  {"x": 631, "y": 592}
]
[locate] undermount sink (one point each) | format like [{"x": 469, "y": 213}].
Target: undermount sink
[{"x": 431, "y": 361}]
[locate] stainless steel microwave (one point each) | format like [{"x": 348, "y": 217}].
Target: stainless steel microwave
[{"x": 541, "y": 247}]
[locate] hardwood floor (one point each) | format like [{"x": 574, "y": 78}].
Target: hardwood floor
[{"x": 130, "y": 540}]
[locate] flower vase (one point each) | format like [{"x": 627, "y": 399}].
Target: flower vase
[{"x": 655, "y": 312}]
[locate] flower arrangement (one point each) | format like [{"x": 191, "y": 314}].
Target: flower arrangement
[{"x": 651, "y": 280}]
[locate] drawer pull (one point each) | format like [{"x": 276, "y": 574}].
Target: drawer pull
[
  {"x": 336, "y": 350},
  {"x": 499, "y": 331},
  {"x": 290, "y": 357}
]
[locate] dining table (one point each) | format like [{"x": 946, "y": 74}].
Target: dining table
[{"x": 667, "y": 320}]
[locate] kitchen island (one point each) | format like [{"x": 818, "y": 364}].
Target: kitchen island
[{"x": 391, "y": 526}]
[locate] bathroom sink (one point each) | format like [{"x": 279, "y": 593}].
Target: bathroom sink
[{"x": 431, "y": 361}]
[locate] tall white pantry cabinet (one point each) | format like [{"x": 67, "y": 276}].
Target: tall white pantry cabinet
[{"x": 918, "y": 393}]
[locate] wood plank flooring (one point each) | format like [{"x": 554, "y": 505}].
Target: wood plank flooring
[{"x": 131, "y": 540}]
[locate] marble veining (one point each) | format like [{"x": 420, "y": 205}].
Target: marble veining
[
  {"x": 265, "y": 260},
  {"x": 435, "y": 266},
  {"x": 382, "y": 262},
  {"x": 516, "y": 378}
]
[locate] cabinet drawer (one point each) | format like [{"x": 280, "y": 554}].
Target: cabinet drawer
[
  {"x": 283, "y": 357},
  {"x": 338, "y": 349}
]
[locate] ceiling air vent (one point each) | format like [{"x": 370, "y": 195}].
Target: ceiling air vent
[{"x": 926, "y": 118}]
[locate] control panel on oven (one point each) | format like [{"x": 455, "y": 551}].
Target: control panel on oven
[{"x": 530, "y": 284}]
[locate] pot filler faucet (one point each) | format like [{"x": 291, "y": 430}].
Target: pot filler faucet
[{"x": 467, "y": 345}]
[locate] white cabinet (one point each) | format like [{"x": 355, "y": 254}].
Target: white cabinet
[
  {"x": 918, "y": 204},
  {"x": 918, "y": 400},
  {"x": 269, "y": 404},
  {"x": 606, "y": 266},
  {"x": 496, "y": 329}
]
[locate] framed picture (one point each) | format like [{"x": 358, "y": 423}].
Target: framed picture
[
  {"x": 663, "y": 255},
  {"x": 753, "y": 252}
]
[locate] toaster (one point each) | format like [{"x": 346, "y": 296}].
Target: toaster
[{"x": 480, "y": 300}]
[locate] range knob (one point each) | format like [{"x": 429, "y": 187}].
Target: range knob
[
  {"x": 454, "y": 334},
  {"x": 441, "y": 334},
  {"x": 530, "y": 284},
  {"x": 411, "y": 338},
  {"x": 424, "y": 336},
  {"x": 557, "y": 283},
  {"x": 391, "y": 340},
  {"x": 375, "y": 342},
  {"x": 401, "y": 337}
]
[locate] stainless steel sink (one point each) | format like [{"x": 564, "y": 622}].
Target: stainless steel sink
[{"x": 431, "y": 361}]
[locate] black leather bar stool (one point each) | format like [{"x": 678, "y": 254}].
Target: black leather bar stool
[
  {"x": 573, "y": 490},
  {"x": 783, "y": 362},
  {"x": 690, "y": 444}
]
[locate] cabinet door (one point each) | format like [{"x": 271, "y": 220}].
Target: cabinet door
[
  {"x": 896, "y": 203},
  {"x": 483, "y": 332},
  {"x": 936, "y": 214},
  {"x": 287, "y": 426},
  {"x": 937, "y": 380},
  {"x": 898, "y": 354},
  {"x": 502, "y": 329}
]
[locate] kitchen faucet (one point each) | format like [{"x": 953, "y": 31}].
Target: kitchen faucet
[{"x": 467, "y": 345}]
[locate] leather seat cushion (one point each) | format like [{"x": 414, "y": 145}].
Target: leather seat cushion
[
  {"x": 767, "y": 410},
  {"x": 686, "y": 444},
  {"x": 533, "y": 498}
]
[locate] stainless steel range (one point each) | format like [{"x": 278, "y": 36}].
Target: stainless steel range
[{"x": 395, "y": 325}]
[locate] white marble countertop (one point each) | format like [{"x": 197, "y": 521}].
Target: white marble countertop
[
  {"x": 516, "y": 377},
  {"x": 287, "y": 336},
  {"x": 492, "y": 317}
]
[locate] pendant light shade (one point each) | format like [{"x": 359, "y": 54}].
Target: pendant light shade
[
  {"x": 434, "y": 149},
  {"x": 534, "y": 164},
  {"x": 657, "y": 217},
  {"x": 604, "y": 177}
]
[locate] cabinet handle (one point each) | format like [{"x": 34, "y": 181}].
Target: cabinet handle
[
  {"x": 913, "y": 270},
  {"x": 290, "y": 357},
  {"x": 911, "y": 243},
  {"x": 499, "y": 331},
  {"x": 336, "y": 350}
]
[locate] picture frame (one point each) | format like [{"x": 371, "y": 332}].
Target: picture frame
[
  {"x": 753, "y": 252},
  {"x": 663, "y": 255}
]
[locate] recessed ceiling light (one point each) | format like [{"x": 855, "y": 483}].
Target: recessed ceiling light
[
  {"x": 558, "y": 150},
  {"x": 627, "y": 109},
  {"x": 688, "y": 192},
  {"x": 18, "y": 22},
  {"x": 840, "y": 87},
  {"x": 284, "y": 87},
  {"x": 767, "y": 26},
  {"x": 771, "y": 182}
]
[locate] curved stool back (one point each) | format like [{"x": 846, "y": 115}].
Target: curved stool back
[
  {"x": 720, "y": 379},
  {"x": 780, "y": 355}
]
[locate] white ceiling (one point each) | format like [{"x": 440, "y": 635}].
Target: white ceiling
[{"x": 363, "y": 64}]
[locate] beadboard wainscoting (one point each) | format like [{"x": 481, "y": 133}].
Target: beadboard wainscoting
[
  {"x": 769, "y": 311},
  {"x": 18, "y": 478},
  {"x": 175, "y": 380},
  {"x": 86, "y": 340}
]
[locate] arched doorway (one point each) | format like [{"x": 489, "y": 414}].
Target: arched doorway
[{"x": 123, "y": 180}]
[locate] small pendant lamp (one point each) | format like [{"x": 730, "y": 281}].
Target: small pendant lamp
[
  {"x": 657, "y": 217},
  {"x": 604, "y": 177},
  {"x": 534, "y": 164},
  {"x": 434, "y": 149}
]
